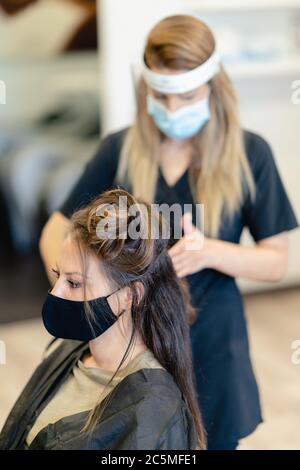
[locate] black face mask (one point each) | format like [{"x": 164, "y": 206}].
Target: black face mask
[{"x": 67, "y": 318}]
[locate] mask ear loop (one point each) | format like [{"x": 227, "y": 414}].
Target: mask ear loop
[
  {"x": 123, "y": 311},
  {"x": 106, "y": 296}
]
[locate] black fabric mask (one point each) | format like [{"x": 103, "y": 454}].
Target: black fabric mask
[{"x": 67, "y": 318}]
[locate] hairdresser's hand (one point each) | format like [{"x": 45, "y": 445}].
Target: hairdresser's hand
[{"x": 193, "y": 252}]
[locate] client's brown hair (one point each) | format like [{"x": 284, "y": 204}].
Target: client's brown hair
[{"x": 162, "y": 314}]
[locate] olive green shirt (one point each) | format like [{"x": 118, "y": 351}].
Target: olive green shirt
[{"x": 84, "y": 388}]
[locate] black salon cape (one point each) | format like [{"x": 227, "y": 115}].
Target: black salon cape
[
  {"x": 146, "y": 411},
  {"x": 227, "y": 389}
]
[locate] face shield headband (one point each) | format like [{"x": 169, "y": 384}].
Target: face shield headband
[{"x": 185, "y": 81}]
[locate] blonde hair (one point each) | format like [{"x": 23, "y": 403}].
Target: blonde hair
[{"x": 219, "y": 172}]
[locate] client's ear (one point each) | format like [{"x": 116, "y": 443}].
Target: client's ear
[
  {"x": 126, "y": 299},
  {"x": 140, "y": 290},
  {"x": 127, "y": 295}
]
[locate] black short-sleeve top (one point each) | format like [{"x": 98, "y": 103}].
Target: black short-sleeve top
[
  {"x": 270, "y": 213},
  {"x": 227, "y": 388}
]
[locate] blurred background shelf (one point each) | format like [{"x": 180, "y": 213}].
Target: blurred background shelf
[
  {"x": 284, "y": 67},
  {"x": 242, "y": 5}
]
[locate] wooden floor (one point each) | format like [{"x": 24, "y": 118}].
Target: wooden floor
[{"x": 274, "y": 323}]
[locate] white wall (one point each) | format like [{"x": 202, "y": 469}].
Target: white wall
[{"x": 123, "y": 28}]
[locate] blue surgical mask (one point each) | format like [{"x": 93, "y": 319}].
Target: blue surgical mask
[{"x": 184, "y": 123}]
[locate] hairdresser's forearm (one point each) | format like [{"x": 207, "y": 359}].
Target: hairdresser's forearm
[{"x": 259, "y": 263}]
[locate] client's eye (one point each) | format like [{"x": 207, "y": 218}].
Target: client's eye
[{"x": 74, "y": 285}]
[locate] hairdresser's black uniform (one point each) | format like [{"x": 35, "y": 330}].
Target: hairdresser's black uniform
[
  {"x": 227, "y": 389},
  {"x": 146, "y": 411}
]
